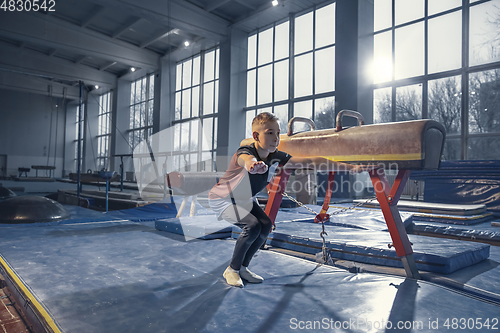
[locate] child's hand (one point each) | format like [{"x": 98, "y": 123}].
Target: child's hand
[{"x": 254, "y": 167}]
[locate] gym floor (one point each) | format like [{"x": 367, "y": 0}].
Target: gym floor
[{"x": 107, "y": 273}]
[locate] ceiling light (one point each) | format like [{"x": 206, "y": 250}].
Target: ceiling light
[
  {"x": 186, "y": 43},
  {"x": 96, "y": 87},
  {"x": 132, "y": 69},
  {"x": 275, "y": 3}
]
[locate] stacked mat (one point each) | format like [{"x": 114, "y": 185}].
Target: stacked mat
[
  {"x": 359, "y": 236},
  {"x": 201, "y": 227},
  {"x": 440, "y": 212},
  {"x": 371, "y": 247}
]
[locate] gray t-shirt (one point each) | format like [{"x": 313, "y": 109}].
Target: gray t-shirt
[{"x": 238, "y": 185}]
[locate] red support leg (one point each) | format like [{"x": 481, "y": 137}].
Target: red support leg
[
  {"x": 275, "y": 190},
  {"x": 388, "y": 199},
  {"x": 328, "y": 194}
]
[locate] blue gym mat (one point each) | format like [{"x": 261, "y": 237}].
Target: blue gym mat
[
  {"x": 365, "y": 219},
  {"x": 356, "y": 236},
  {"x": 201, "y": 226},
  {"x": 128, "y": 277},
  {"x": 158, "y": 210},
  {"x": 451, "y": 219},
  {"x": 371, "y": 247}
]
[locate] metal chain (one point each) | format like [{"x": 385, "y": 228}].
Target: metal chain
[
  {"x": 352, "y": 207},
  {"x": 288, "y": 196},
  {"x": 323, "y": 233},
  {"x": 298, "y": 203}
]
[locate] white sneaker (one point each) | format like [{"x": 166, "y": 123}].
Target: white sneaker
[
  {"x": 249, "y": 276},
  {"x": 232, "y": 277}
]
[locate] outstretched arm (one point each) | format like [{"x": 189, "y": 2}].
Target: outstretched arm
[{"x": 250, "y": 163}]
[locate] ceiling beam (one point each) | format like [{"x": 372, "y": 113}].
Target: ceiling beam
[
  {"x": 174, "y": 14},
  {"x": 192, "y": 44},
  {"x": 80, "y": 59},
  {"x": 126, "y": 27},
  {"x": 158, "y": 36},
  {"x": 35, "y": 85},
  {"x": 51, "y": 32},
  {"x": 52, "y": 52},
  {"x": 244, "y": 3},
  {"x": 211, "y": 6},
  {"x": 109, "y": 64},
  {"x": 194, "y": 47},
  {"x": 98, "y": 10},
  {"x": 34, "y": 63},
  {"x": 258, "y": 11}
]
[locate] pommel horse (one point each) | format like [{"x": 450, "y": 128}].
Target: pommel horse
[{"x": 404, "y": 146}]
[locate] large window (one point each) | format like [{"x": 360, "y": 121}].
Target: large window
[
  {"x": 196, "y": 110},
  {"x": 294, "y": 79},
  {"x": 104, "y": 131},
  {"x": 141, "y": 110},
  {"x": 440, "y": 59}
]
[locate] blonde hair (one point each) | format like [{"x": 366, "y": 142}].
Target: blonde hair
[{"x": 263, "y": 118}]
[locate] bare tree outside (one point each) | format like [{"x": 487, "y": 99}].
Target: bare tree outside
[
  {"x": 445, "y": 103},
  {"x": 324, "y": 117},
  {"x": 382, "y": 105},
  {"x": 409, "y": 102},
  {"x": 484, "y": 89},
  {"x": 484, "y": 114},
  {"x": 445, "y": 95},
  {"x": 484, "y": 102},
  {"x": 445, "y": 106}
]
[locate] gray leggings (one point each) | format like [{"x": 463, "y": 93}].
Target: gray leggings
[{"x": 255, "y": 226}]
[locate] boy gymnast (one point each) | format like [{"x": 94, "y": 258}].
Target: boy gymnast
[{"x": 233, "y": 198}]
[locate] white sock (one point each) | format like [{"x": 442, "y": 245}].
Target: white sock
[{"x": 232, "y": 277}]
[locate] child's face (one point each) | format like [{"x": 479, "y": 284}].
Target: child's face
[{"x": 267, "y": 136}]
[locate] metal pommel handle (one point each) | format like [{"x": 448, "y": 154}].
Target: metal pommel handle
[
  {"x": 305, "y": 120},
  {"x": 349, "y": 113}
]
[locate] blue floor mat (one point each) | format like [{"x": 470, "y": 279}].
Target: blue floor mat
[
  {"x": 149, "y": 212},
  {"x": 371, "y": 247},
  {"x": 202, "y": 226},
  {"x": 159, "y": 210},
  {"x": 128, "y": 277}
]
